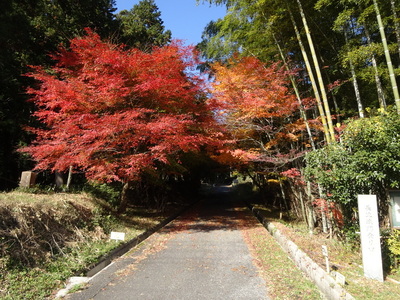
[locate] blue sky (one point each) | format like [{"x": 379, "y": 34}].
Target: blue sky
[{"x": 184, "y": 18}]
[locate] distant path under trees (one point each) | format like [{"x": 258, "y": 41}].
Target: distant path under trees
[{"x": 201, "y": 255}]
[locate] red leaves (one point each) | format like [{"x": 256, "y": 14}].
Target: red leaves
[
  {"x": 114, "y": 113},
  {"x": 292, "y": 173},
  {"x": 330, "y": 209}
]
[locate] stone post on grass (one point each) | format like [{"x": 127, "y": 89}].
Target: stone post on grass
[
  {"x": 370, "y": 237},
  {"x": 28, "y": 179}
]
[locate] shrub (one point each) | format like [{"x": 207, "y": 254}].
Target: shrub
[{"x": 367, "y": 161}]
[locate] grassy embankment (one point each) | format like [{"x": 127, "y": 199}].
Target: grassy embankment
[
  {"x": 344, "y": 258},
  {"x": 47, "y": 238}
]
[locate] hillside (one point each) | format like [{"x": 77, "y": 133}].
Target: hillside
[{"x": 46, "y": 238}]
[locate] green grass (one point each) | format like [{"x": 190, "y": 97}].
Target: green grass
[
  {"x": 40, "y": 282},
  {"x": 89, "y": 241},
  {"x": 284, "y": 279},
  {"x": 346, "y": 257}
]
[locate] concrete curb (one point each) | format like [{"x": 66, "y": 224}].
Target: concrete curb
[
  {"x": 122, "y": 249},
  {"x": 107, "y": 259},
  {"x": 326, "y": 284},
  {"x": 72, "y": 281}
]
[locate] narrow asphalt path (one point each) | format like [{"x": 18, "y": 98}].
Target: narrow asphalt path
[{"x": 200, "y": 255}]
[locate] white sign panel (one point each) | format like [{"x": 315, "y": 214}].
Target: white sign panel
[
  {"x": 395, "y": 205},
  {"x": 324, "y": 250},
  {"x": 117, "y": 236},
  {"x": 396, "y": 211},
  {"x": 370, "y": 237}
]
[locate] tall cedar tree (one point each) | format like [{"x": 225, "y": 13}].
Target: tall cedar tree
[
  {"x": 115, "y": 113},
  {"x": 142, "y": 27}
]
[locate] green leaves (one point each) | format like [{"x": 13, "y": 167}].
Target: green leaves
[
  {"x": 142, "y": 27},
  {"x": 367, "y": 161}
]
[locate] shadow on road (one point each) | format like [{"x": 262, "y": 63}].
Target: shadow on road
[
  {"x": 200, "y": 255},
  {"x": 218, "y": 210}
]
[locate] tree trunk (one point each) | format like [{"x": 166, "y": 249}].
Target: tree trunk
[
  {"x": 388, "y": 58},
  {"x": 69, "y": 179},
  {"x": 312, "y": 80},
  {"x": 310, "y": 209},
  {"x": 381, "y": 95},
  {"x": 355, "y": 82},
  {"x": 335, "y": 104},
  {"x": 303, "y": 207},
  {"x": 124, "y": 197},
  {"x": 319, "y": 75},
  {"x": 356, "y": 90},
  {"x": 323, "y": 211},
  {"x": 284, "y": 196}
]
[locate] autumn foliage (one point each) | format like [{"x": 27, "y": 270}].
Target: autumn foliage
[
  {"x": 260, "y": 111},
  {"x": 249, "y": 89},
  {"x": 114, "y": 113}
]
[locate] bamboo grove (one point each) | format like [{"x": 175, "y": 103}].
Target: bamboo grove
[{"x": 341, "y": 62}]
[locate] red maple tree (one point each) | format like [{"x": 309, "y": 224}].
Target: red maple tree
[
  {"x": 260, "y": 111},
  {"x": 114, "y": 113}
]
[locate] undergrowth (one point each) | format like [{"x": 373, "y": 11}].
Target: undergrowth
[
  {"x": 45, "y": 238},
  {"x": 344, "y": 257}
]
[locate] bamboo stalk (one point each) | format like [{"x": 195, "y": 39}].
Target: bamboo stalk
[
  {"x": 319, "y": 75},
  {"x": 381, "y": 95},
  {"x": 355, "y": 82},
  {"x": 296, "y": 91},
  {"x": 312, "y": 80},
  {"x": 388, "y": 58}
]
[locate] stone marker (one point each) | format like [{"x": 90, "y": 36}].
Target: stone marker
[
  {"x": 28, "y": 179},
  {"x": 325, "y": 253},
  {"x": 340, "y": 278},
  {"x": 59, "y": 179},
  {"x": 370, "y": 237}
]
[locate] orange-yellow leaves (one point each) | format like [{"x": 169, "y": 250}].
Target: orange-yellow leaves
[
  {"x": 252, "y": 90},
  {"x": 256, "y": 104}
]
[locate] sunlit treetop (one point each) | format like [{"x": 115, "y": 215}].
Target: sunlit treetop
[{"x": 115, "y": 113}]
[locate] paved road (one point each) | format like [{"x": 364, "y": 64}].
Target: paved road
[{"x": 201, "y": 255}]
